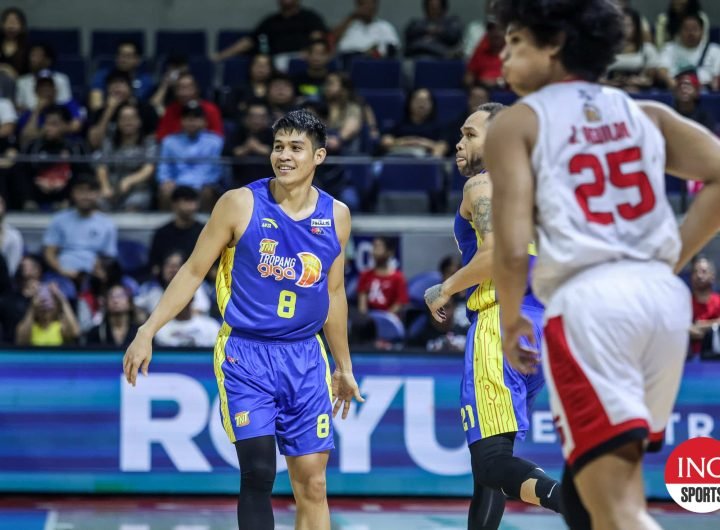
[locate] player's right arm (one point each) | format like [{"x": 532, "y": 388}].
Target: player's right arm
[
  {"x": 692, "y": 153},
  {"x": 227, "y": 223},
  {"x": 477, "y": 197}
]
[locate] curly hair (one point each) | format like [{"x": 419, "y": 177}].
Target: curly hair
[{"x": 592, "y": 30}]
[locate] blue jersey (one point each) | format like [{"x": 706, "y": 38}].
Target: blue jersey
[
  {"x": 272, "y": 285},
  {"x": 483, "y": 295}
]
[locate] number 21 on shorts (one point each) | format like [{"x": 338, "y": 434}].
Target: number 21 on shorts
[{"x": 286, "y": 304}]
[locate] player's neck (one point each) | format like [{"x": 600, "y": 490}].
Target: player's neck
[{"x": 296, "y": 200}]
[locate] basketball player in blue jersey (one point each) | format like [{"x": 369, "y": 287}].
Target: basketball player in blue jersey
[
  {"x": 495, "y": 398},
  {"x": 281, "y": 244}
]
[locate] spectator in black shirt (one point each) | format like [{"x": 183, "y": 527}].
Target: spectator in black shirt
[
  {"x": 118, "y": 327},
  {"x": 13, "y": 43},
  {"x": 437, "y": 35},
  {"x": 418, "y": 134},
  {"x": 181, "y": 233},
  {"x": 281, "y": 96},
  {"x": 260, "y": 72},
  {"x": 103, "y": 122},
  {"x": 687, "y": 98},
  {"x": 253, "y": 139},
  {"x": 289, "y": 31},
  {"x": 15, "y": 304},
  {"x": 310, "y": 82}
]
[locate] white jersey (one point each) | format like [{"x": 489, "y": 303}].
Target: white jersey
[{"x": 599, "y": 165}]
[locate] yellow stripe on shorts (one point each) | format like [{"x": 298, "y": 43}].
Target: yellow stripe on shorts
[
  {"x": 493, "y": 400},
  {"x": 219, "y": 359},
  {"x": 328, "y": 376}
]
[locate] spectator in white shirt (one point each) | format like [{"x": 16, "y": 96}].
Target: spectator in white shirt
[
  {"x": 11, "y": 242},
  {"x": 690, "y": 50},
  {"x": 41, "y": 57},
  {"x": 363, "y": 32},
  {"x": 188, "y": 329}
]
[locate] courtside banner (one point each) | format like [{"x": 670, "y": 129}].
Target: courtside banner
[{"x": 69, "y": 423}]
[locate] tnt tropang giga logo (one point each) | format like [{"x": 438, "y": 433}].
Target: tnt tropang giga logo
[{"x": 692, "y": 475}]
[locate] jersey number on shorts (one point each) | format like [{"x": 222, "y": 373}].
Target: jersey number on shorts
[
  {"x": 467, "y": 416},
  {"x": 637, "y": 179},
  {"x": 323, "y": 426},
  {"x": 286, "y": 304}
]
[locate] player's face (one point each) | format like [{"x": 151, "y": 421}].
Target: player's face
[
  {"x": 527, "y": 67},
  {"x": 470, "y": 150},
  {"x": 294, "y": 158}
]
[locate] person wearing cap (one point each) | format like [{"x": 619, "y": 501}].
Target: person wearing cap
[
  {"x": 196, "y": 142},
  {"x": 686, "y": 98},
  {"x": 485, "y": 65},
  {"x": 41, "y": 57},
  {"x": 80, "y": 236},
  {"x": 31, "y": 121},
  {"x": 186, "y": 90}
]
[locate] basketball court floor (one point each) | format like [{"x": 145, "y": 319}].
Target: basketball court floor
[{"x": 55, "y": 513}]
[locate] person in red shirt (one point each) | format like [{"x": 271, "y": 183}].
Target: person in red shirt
[
  {"x": 186, "y": 90},
  {"x": 383, "y": 287},
  {"x": 485, "y": 65},
  {"x": 706, "y": 302}
]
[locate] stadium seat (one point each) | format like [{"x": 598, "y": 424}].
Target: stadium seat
[
  {"x": 235, "y": 71},
  {"x": 715, "y": 34},
  {"x": 132, "y": 255},
  {"x": 375, "y": 73},
  {"x": 661, "y": 96},
  {"x": 74, "y": 68},
  {"x": 388, "y": 325},
  {"x": 439, "y": 74},
  {"x": 228, "y": 37},
  {"x": 451, "y": 104},
  {"x": 105, "y": 42},
  {"x": 62, "y": 41},
  {"x": 204, "y": 71},
  {"x": 418, "y": 284},
  {"x": 388, "y": 106},
  {"x": 710, "y": 103},
  {"x": 407, "y": 188},
  {"x": 188, "y": 43},
  {"x": 297, "y": 66},
  {"x": 360, "y": 176},
  {"x": 503, "y": 96}
]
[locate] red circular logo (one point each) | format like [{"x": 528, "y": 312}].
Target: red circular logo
[{"x": 692, "y": 475}]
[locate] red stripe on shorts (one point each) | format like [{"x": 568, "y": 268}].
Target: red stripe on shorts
[{"x": 586, "y": 417}]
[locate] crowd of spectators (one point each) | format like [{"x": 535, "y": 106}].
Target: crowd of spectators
[
  {"x": 144, "y": 125},
  {"x": 142, "y": 134}
]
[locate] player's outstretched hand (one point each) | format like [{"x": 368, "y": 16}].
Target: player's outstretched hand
[
  {"x": 436, "y": 300},
  {"x": 137, "y": 357},
  {"x": 521, "y": 357},
  {"x": 344, "y": 389}
]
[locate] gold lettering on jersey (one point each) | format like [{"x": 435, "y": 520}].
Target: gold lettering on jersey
[
  {"x": 268, "y": 246},
  {"x": 606, "y": 133},
  {"x": 242, "y": 418}
]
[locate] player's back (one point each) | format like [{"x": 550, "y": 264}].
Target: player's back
[
  {"x": 599, "y": 164},
  {"x": 272, "y": 285}
]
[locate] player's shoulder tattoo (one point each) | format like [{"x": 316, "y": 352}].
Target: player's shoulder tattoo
[
  {"x": 482, "y": 214},
  {"x": 474, "y": 182}
]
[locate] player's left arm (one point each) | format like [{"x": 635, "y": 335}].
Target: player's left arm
[
  {"x": 344, "y": 387},
  {"x": 508, "y": 148}
]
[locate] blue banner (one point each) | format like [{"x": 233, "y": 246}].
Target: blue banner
[{"x": 69, "y": 423}]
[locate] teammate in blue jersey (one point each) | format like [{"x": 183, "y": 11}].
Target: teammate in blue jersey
[
  {"x": 281, "y": 245},
  {"x": 495, "y": 398}
]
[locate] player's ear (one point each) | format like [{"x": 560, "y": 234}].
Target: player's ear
[
  {"x": 320, "y": 154},
  {"x": 556, "y": 44}
]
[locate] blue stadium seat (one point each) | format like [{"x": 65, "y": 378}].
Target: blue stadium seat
[
  {"x": 105, "y": 42},
  {"x": 418, "y": 284},
  {"x": 62, "y": 41},
  {"x": 375, "y": 73},
  {"x": 451, "y": 104},
  {"x": 503, "y": 96},
  {"x": 235, "y": 71},
  {"x": 297, "y": 66},
  {"x": 710, "y": 102},
  {"x": 74, "y": 68},
  {"x": 228, "y": 37},
  {"x": 439, "y": 74},
  {"x": 188, "y": 43},
  {"x": 661, "y": 96},
  {"x": 388, "y": 325},
  {"x": 360, "y": 175},
  {"x": 204, "y": 71},
  {"x": 715, "y": 34},
  {"x": 388, "y": 106},
  {"x": 132, "y": 255},
  {"x": 410, "y": 177}
]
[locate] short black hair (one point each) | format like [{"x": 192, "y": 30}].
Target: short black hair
[
  {"x": 184, "y": 193},
  {"x": 46, "y": 49},
  {"x": 85, "y": 179},
  {"x": 443, "y": 5},
  {"x": 492, "y": 108},
  {"x": 695, "y": 16},
  {"x": 303, "y": 121},
  {"x": 592, "y": 29},
  {"x": 116, "y": 76},
  {"x": 58, "y": 110}
]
